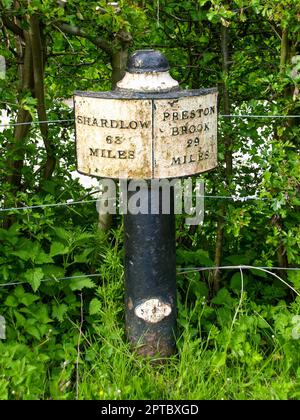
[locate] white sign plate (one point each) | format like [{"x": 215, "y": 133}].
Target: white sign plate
[
  {"x": 185, "y": 136},
  {"x": 113, "y": 137},
  {"x": 146, "y": 138}
]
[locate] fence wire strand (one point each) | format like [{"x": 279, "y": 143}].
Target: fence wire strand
[
  {"x": 70, "y": 203},
  {"x": 220, "y": 115},
  {"x": 36, "y": 122},
  {"x": 180, "y": 271}
]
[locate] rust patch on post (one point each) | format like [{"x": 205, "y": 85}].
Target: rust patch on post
[{"x": 130, "y": 304}]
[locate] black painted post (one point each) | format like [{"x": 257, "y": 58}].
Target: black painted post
[
  {"x": 150, "y": 264},
  {"x": 150, "y": 280}
]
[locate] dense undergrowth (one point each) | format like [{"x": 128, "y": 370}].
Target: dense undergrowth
[
  {"x": 243, "y": 344},
  {"x": 61, "y": 279}
]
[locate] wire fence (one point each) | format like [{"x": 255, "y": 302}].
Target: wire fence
[
  {"x": 180, "y": 272},
  {"x": 70, "y": 203},
  {"x": 220, "y": 115},
  {"x": 36, "y": 122}
]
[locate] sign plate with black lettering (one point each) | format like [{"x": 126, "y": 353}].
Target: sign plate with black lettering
[{"x": 143, "y": 136}]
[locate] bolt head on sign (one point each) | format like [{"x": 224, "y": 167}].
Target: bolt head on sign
[{"x": 147, "y": 127}]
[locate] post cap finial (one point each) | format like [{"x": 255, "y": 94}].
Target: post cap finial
[{"x": 145, "y": 61}]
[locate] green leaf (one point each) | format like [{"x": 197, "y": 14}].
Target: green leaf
[
  {"x": 83, "y": 257},
  {"x": 24, "y": 254},
  {"x": 62, "y": 233},
  {"x": 294, "y": 278},
  {"x": 42, "y": 315},
  {"x": 31, "y": 251},
  {"x": 243, "y": 259},
  {"x": 80, "y": 282},
  {"x": 59, "y": 310},
  {"x": 7, "y": 3},
  {"x": 197, "y": 286},
  {"x": 19, "y": 291},
  {"x": 259, "y": 273},
  {"x": 236, "y": 281},
  {"x": 95, "y": 306},
  {"x": 32, "y": 330},
  {"x": 43, "y": 258},
  {"x": 11, "y": 301},
  {"x": 28, "y": 298},
  {"x": 223, "y": 298},
  {"x": 21, "y": 320},
  {"x": 34, "y": 277},
  {"x": 195, "y": 258},
  {"x": 58, "y": 248},
  {"x": 53, "y": 271}
]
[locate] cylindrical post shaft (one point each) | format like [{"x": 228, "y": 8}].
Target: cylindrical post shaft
[{"x": 150, "y": 279}]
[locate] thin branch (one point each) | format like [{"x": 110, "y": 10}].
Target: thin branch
[
  {"x": 75, "y": 30},
  {"x": 66, "y": 38},
  {"x": 86, "y": 63},
  {"x": 12, "y": 26},
  {"x": 57, "y": 54}
]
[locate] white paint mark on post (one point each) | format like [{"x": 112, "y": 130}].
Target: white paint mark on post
[{"x": 153, "y": 310}]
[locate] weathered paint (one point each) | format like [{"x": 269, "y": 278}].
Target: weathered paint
[
  {"x": 150, "y": 277},
  {"x": 158, "y": 137},
  {"x": 148, "y": 82},
  {"x": 113, "y": 137},
  {"x": 153, "y": 310},
  {"x": 185, "y": 136}
]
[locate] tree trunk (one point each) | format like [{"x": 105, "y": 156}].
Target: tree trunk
[
  {"x": 284, "y": 50},
  {"x": 284, "y": 59},
  {"x": 215, "y": 277},
  {"x": 118, "y": 62},
  {"x": 38, "y": 60},
  {"x": 16, "y": 151}
]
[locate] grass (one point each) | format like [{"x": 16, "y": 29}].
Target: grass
[
  {"x": 204, "y": 368},
  {"x": 232, "y": 349}
]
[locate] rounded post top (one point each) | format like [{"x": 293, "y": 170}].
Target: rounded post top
[
  {"x": 147, "y": 71},
  {"x": 147, "y": 61}
]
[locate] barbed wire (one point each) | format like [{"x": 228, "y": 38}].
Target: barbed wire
[
  {"x": 220, "y": 115},
  {"x": 179, "y": 269}
]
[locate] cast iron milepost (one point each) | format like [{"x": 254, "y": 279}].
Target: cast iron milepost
[
  {"x": 147, "y": 128},
  {"x": 150, "y": 264}
]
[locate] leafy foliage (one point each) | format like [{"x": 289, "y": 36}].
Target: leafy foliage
[{"x": 238, "y": 334}]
